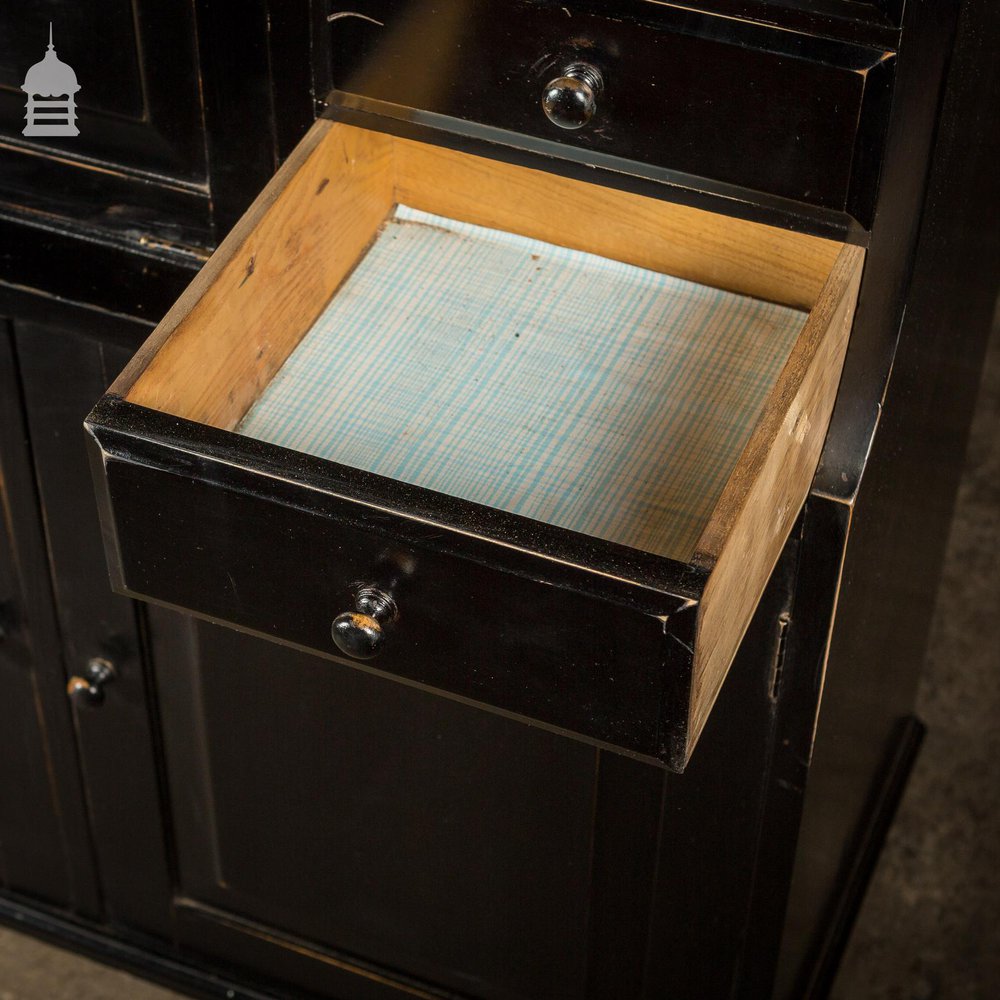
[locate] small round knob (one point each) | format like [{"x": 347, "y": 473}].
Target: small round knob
[
  {"x": 87, "y": 688},
  {"x": 570, "y": 100},
  {"x": 361, "y": 633}
]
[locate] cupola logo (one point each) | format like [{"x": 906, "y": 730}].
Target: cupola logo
[{"x": 51, "y": 88}]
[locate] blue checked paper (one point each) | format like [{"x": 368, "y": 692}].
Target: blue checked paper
[{"x": 552, "y": 383}]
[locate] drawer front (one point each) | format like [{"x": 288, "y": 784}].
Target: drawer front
[
  {"x": 193, "y": 535},
  {"x": 719, "y": 104}
]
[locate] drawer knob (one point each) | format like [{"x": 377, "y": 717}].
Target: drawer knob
[
  {"x": 570, "y": 100},
  {"x": 361, "y": 633},
  {"x": 87, "y": 688}
]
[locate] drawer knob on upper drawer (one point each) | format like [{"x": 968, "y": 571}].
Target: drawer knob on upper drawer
[
  {"x": 570, "y": 100},
  {"x": 361, "y": 633}
]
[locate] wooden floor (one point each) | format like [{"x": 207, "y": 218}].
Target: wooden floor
[{"x": 32, "y": 970}]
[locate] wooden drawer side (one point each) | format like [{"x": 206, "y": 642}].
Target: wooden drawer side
[{"x": 769, "y": 485}]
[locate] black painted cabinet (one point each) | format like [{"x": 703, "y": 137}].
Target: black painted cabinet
[
  {"x": 43, "y": 837},
  {"x": 95, "y": 623},
  {"x": 142, "y": 124},
  {"x": 243, "y": 818},
  {"x": 147, "y": 115},
  {"x": 419, "y": 834},
  {"x": 817, "y": 108}
]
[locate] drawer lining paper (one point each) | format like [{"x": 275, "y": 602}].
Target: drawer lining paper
[{"x": 580, "y": 391}]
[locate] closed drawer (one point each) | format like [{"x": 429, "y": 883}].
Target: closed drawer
[
  {"x": 527, "y": 441},
  {"x": 712, "y": 102}
]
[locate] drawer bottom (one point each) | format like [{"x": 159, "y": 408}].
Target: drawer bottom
[{"x": 556, "y": 384}]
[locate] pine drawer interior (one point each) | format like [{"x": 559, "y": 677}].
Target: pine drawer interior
[{"x": 649, "y": 374}]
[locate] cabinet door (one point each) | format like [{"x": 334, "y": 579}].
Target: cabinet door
[
  {"x": 44, "y": 849},
  {"x": 138, "y": 167},
  {"x": 375, "y": 826},
  {"x": 175, "y": 114},
  {"x": 115, "y": 737},
  {"x": 133, "y": 109}
]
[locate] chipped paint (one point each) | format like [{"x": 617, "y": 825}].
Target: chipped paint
[
  {"x": 155, "y": 243},
  {"x": 354, "y": 13}
]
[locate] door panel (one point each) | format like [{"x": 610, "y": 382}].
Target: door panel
[
  {"x": 115, "y": 738},
  {"x": 32, "y": 857},
  {"x": 134, "y": 109},
  {"x": 44, "y": 844},
  {"x": 374, "y": 818}
]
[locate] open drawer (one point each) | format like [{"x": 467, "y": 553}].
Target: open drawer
[{"x": 527, "y": 441}]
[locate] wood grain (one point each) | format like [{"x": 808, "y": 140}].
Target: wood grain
[
  {"x": 732, "y": 254},
  {"x": 248, "y": 308},
  {"x": 768, "y": 486},
  {"x": 233, "y": 328}
]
